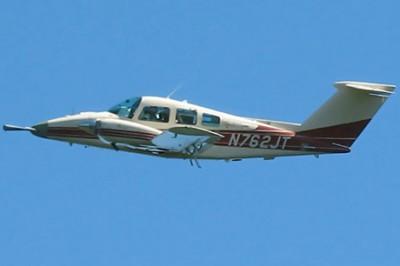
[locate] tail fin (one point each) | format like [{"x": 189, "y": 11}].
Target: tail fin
[{"x": 345, "y": 115}]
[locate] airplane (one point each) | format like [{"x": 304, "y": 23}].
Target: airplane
[{"x": 177, "y": 129}]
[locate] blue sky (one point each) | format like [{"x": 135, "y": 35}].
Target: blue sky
[{"x": 62, "y": 205}]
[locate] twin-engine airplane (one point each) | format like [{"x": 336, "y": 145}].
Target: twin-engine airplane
[{"x": 178, "y": 129}]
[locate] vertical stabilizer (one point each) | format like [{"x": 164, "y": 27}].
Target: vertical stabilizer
[{"x": 345, "y": 115}]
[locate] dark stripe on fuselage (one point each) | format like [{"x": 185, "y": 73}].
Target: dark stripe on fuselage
[
  {"x": 71, "y": 132},
  {"x": 124, "y": 134},
  {"x": 68, "y": 132},
  {"x": 276, "y": 142}
]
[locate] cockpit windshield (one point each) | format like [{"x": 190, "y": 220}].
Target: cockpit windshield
[{"x": 126, "y": 108}]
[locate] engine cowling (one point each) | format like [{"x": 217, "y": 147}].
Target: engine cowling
[{"x": 117, "y": 130}]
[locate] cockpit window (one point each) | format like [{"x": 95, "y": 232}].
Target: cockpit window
[
  {"x": 155, "y": 114},
  {"x": 126, "y": 108},
  {"x": 188, "y": 117}
]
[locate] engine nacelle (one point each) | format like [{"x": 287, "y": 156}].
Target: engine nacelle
[{"x": 117, "y": 130}]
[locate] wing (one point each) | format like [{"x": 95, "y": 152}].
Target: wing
[
  {"x": 118, "y": 145},
  {"x": 188, "y": 140}
]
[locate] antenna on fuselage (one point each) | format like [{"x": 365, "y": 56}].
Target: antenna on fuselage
[{"x": 177, "y": 87}]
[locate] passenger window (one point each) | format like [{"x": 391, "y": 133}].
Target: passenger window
[
  {"x": 155, "y": 113},
  {"x": 188, "y": 117},
  {"x": 210, "y": 120}
]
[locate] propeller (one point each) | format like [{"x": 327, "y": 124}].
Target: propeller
[{"x": 17, "y": 128}]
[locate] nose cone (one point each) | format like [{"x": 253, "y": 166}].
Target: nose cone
[{"x": 40, "y": 130}]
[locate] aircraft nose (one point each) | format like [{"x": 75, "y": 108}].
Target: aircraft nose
[{"x": 40, "y": 129}]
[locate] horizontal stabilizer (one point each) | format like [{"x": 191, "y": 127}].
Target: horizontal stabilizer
[{"x": 376, "y": 88}]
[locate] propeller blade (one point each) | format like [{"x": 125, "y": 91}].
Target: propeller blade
[{"x": 17, "y": 128}]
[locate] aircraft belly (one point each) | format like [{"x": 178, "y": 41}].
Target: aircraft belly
[
  {"x": 97, "y": 143},
  {"x": 227, "y": 152},
  {"x": 210, "y": 152}
]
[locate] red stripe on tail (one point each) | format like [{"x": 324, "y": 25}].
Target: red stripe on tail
[{"x": 343, "y": 134}]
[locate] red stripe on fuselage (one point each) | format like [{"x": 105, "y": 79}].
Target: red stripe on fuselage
[{"x": 71, "y": 132}]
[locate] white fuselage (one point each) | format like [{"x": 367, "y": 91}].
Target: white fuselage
[{"x": 243, "y": 137}]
